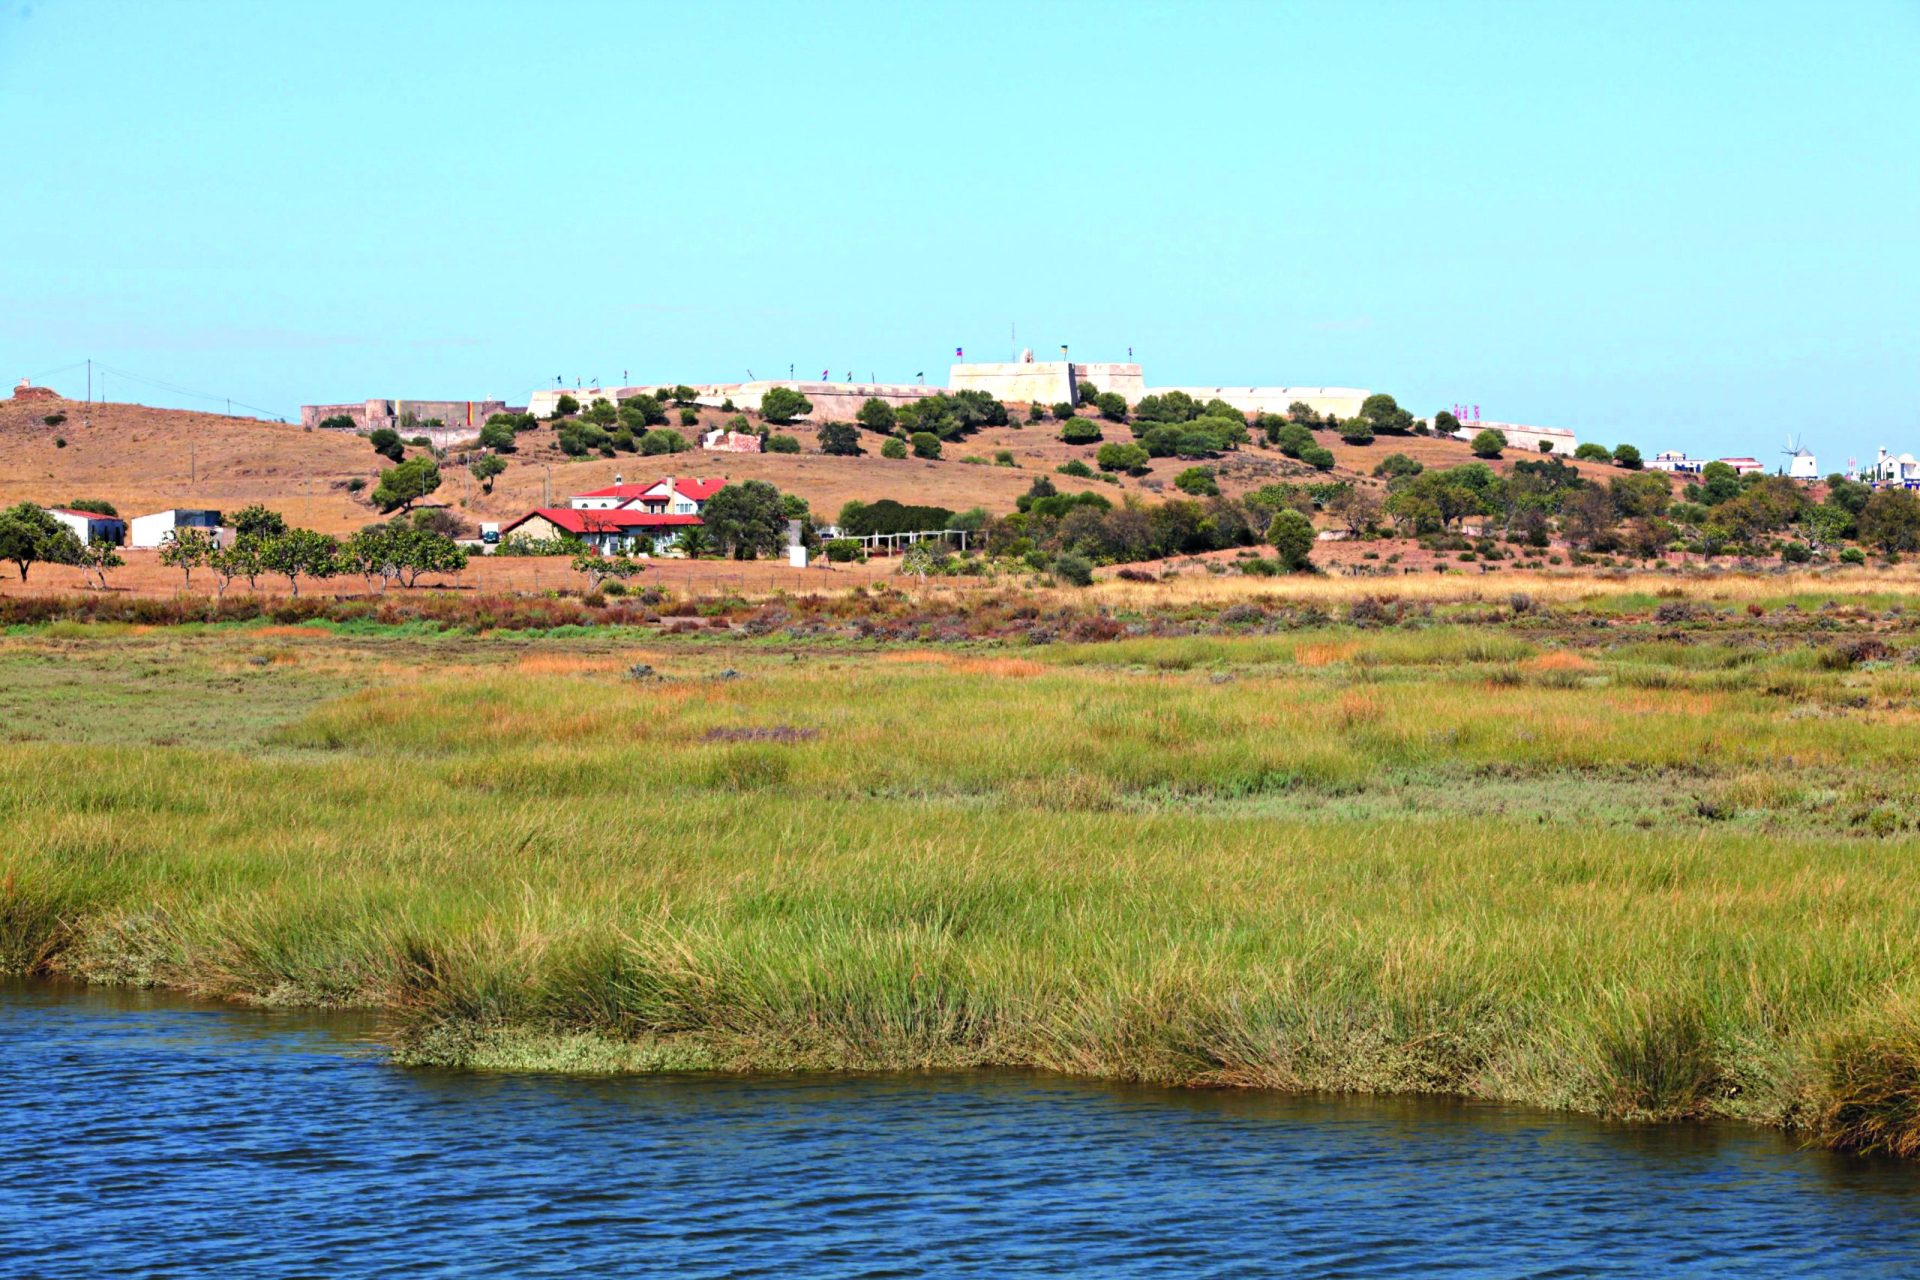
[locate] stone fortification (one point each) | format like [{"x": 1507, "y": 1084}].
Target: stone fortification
[
  {"x": 1524, "y": 438},
  {"x": 1024, "y": 381},
  {"x": 1341, "y": 402},
  {"x": 460, "y": 418},
  {"x": 1032, "y": 381},
  {"x": 832, "y": 401},
  {"x": 1123, "y": 378}
]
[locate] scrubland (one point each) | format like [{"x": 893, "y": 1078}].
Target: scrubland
[{"x": 1646, "y": 856}]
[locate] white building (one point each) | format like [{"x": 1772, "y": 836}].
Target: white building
[
  {"x": 1801, "y": 464},
  {"x": 158, "y": 528},
  {"x": 1677, "y": 462},
  {"x": 1901, "y": 472},
  {"x": 91, "y": 527},
  {"x": 1744, "y": 466},
  {"x": 673, "y": 497}
]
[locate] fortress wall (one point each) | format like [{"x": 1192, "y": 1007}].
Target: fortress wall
[
  {"x": 1342, "y": 402},
  {"x": 1123, "y": 378},
  {"x": 832, "y": 401},
  {"x": 370, "y": 415},
  {"x": 1040, "y": 382}
]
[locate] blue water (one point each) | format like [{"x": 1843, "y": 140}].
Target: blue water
[{"x": 149, "y": 1136}]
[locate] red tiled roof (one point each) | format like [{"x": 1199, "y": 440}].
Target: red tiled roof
[
  {"x": 700, "y": 490},
  {"x": 576, "y": 521},
  {"x": 697, "y": 489},
  {"x": 84, "y": 515}
]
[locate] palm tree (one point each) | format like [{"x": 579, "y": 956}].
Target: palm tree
[{"x": 696, "y": 542}]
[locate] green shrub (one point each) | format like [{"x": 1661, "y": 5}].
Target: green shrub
[
  {"x": 387, "y": 443},
  {"x": 782, "y": 444},
  {"x": 1075, "y": 468},
  {"x": 843, "y": 550},
  {"x": 1112, "y": 406},
  {"x": 925, "y": 444},
  {"x": 1080, "y": 431},
  {"x": 689, "y": 417},
  {"x": 1063, "y": 411},
  {"x": 1073, "y": 569},
  {"x": 838, "y": 439},
  {"x": 895, "y": 447},
  {"x": 1292, "y": 537},
  {"x": 1197, "y": 481},
  {"x": 642, "y": 411},
  {"x": 781, "y": 405}
]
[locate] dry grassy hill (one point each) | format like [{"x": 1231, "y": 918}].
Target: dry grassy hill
[{"x": 145, "y": 459}]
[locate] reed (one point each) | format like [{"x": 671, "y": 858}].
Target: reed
[{"x": 1438, "y": 859}]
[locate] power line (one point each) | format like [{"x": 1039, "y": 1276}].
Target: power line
[
  {"x": 40, "y": 378},
  {"x": 178, "y": 390}
]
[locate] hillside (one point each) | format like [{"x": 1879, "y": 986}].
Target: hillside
[{"x": 146, "y": 459}]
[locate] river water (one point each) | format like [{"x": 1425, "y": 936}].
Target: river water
[{"x": 147, "y": 1135}]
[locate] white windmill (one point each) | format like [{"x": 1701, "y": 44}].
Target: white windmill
[{"x": 1801, "y": 464}]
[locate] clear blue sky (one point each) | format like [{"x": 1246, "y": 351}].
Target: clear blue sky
[{"x": 1685, "y": 225}]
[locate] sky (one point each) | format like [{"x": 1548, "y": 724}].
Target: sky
[{"x": 1686, "y": 226}]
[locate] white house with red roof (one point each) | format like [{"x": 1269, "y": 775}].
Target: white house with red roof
[
  {"x": 613, "y": 531},
  {"x": 622, "y": 517},
  {"x": 671, "y": 496},
  {"x": 91, "y": 527}
]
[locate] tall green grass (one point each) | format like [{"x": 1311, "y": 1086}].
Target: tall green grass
[{"x": 1087, "y": 867}]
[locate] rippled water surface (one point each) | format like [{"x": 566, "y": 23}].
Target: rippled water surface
[{"x": 150, "y": 1136}]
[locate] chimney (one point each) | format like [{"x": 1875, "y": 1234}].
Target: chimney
[{"x": 616, "y": 479}]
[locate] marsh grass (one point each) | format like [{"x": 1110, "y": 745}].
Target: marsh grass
[{"x": 1436, "y": 859}]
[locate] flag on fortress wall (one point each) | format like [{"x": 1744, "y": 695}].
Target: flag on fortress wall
[{"x": 959, "y": 353}]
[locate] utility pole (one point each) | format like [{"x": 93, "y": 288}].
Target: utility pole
[{"x": 86, "y": 418}]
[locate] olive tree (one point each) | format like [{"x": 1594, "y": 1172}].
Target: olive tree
[
  {"x": 29, "y": 535},
  {"x": 300, "y": 553},
  {"x": 186, "y": 550}
]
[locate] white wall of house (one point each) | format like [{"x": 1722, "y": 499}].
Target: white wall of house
[
  {"x": 81, "y": 526},
  {"x": 155, "y": 529}
]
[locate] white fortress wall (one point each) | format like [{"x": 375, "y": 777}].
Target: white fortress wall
[
  {"x": 1524, "y": 438},
  {"x": 1033, "y": 381},
  {"x": 832, "y": 401},
  {"x": 1342, "y": 402},
  {"x": 1123, "y": 378}
]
